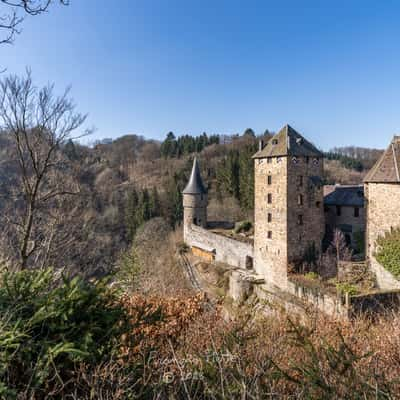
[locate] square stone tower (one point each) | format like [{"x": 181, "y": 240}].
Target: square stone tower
[
  {"x": 289, "y": 210},
  {"x": 382, "y": 194}
]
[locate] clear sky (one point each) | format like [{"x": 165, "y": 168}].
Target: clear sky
[{"x": 331, "y": 69}]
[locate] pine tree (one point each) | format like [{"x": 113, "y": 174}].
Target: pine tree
[
  {"x": 155, "y": 204},
  {"x": 131, "y": 214}
]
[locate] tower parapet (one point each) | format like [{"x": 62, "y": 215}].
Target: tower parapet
[{"x": 195, "y": 200}]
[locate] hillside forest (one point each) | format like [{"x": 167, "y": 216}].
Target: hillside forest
[{"x": 94, "y": 302}]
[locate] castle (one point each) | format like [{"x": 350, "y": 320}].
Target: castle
[{"x": 292, "y": 216}]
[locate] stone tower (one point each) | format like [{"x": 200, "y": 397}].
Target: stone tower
[
  {"x": 289, "y": 210},
  {"x": 382, "y": 194},
  {"x": 195, "y": 200}
]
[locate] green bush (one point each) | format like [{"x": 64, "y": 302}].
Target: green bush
[
  {"x": 388, "y": 252},
  {"x": 311, "y": 275},
  {"x": 359, "y": 238},
  {"x": 48, "y": 327},
  {"x": 345, "y": 287},
  {"x": 243, "y": 226}
]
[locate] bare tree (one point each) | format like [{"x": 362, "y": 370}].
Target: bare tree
[
  {"x": 12, "y": 13},
  {"x": 39, "y": 124},
  {"x": 339, "y": 245}
]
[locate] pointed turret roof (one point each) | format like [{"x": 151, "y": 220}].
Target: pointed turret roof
[
  {"x": 195, "y": 184},
  {"x": 288, "y": 142},
  {"x": 387, "y": 168}
]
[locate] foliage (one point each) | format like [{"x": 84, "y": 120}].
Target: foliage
[
  {"x": 388, "y": 251},
  {"x": 173, "y": 207},
  {"x": 345, "y": 287},
  {"x": 243, "y": 226},
  {"x": 311, "y": 275},
  {"x": 128, "y": 273},
  {"x": 47, "y": 328},
  {"x": 140, "y": 207},
  {"x": 359, "y": 238},
  {"x": 186, "y": 144},
  {"x": 347, "y": 162},
  {"x": 235, "y": 176}
]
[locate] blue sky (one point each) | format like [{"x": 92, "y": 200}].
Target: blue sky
[{"x": 330, "y": 69}]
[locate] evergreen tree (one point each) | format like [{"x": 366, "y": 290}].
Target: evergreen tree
[
  {"x": 131, "y": 214},
  {"x": 155, "y": 204}
]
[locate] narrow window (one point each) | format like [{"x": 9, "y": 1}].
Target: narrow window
[
  {"x": 338, "y": 211},
  {"x": 307, "y": 160},
  {"x": 300, "y": 219},
  {"x": 300, "y": 199},
  {"x": 356, "y": 212},
  {"x": 275, "y": 142},
  {"x": 269, "y": 180},
  {"x": 269, "y": 160},
  {"x": 194, "y": 221},
  {"x": 318, "y": 204},
  {"x": 269, "y": 198},
  {"x": 300, "y": 180},
  {"x": 269, "y": 217},
  {"x": 269, "y": 234}
]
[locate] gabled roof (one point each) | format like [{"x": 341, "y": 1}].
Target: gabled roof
[
  {"x": 345, "y": 196},
  {"x": 288, "y": 142},
  {"x": 387, "y": 168},
  {"x": 195, "y": 184}
]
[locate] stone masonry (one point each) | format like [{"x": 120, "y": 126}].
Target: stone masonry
[
  {"x": 289, "y": 215},
  {"x": 382, "y": 192},
  {"x": 289, "y": 220}
]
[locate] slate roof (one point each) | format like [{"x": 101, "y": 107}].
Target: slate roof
[
  {"x": 195, "y": 184},
  {"x": 387, "y": 168},
  {"x": 351, "y": 196},
  {"x": 288, "y": 142}
]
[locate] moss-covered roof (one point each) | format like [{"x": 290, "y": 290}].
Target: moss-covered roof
[
  {"x": 288, "y": 142},
  {"x": 386, "y": 169}
]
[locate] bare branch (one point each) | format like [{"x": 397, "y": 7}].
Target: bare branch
[
  {"x": 15, "y": 11},
  {"x": 39, "y": 123}
]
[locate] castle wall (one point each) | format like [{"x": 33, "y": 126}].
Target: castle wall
[
  {"x": 347, "y": 218},
  {"x": 270, "y": 254},
  {"x": 304, "y": 179},
  {"x": 383, "y": 214},
  {"x": 226, "y": 250}
]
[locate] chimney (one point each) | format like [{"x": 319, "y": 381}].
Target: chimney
[{"x": 260, "y": 144}]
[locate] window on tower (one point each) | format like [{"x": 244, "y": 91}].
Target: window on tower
[
  {"x": 269, "y": 234},
  {"x": 269, "y": 218},
  {"x": 269, "y": 198},
  {"x": 300, "y": 199},
  {"x": 300, "y": 219},
  {"x": 269, "y": 179}
]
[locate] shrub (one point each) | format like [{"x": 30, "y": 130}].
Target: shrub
[
  {"x": 344, "y": 287},
  {"x": 311, "y": 275},
  {"x": 47, "y": 328},
  {"x": 244, "y": 226},
  {"x": 388, "y": 252}
]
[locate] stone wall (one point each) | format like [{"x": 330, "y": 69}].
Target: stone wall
[
  {"x": 357, "y": 224},
  {"x": 226, "y": 250},
  {"x": 270, "y": 254},
  {"x": 296, "y": 209},
  {"x": 305, "y": 186},
  {"x": 383, "y": 214}
]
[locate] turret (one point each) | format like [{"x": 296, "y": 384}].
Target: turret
[{"x": 195, "y": 200}]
